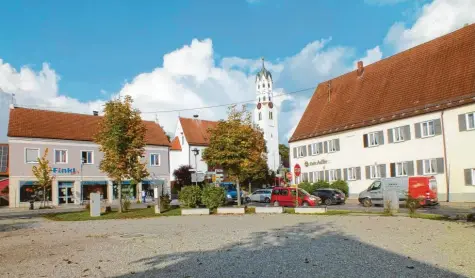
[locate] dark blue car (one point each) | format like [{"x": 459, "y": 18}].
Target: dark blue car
[{"x": 231, "y": 192}]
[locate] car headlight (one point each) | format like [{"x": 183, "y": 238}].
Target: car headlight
[
  {"x": 228, "y": 196},
  {"x": 313, "y": 198}
]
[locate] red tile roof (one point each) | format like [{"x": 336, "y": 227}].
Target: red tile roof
[
  {"x": 175, "y": 145},
  {"x": 429, "y": 77},
  {"x": 34, "y": 123},
  {"x": 196, "y": 130}
]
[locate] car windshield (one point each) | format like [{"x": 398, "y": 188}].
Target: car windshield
[{"x": 303, "y": 192}]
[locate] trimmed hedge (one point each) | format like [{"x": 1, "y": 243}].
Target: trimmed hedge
[
  {"x": 190, "y": 196},
  {"x": 339, "y": 184},
  {"x": 213, "y": 197}
]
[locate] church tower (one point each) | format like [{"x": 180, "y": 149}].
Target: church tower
[{"x": 265, "y": 116}]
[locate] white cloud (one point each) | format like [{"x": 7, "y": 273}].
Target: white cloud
[
  {"x": 436, "y": 19},
  {"x": 372, "y": 55}
]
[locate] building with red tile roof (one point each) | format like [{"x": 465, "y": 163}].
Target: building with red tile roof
[{"x": 408, "y": 114}]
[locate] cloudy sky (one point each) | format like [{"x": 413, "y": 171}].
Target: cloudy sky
[{"x": 176, "y": 55}]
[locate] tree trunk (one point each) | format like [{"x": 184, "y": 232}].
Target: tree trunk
[
  {"x": 119, "y": 188},
  {"x": 44, "y": 196},
  {"x": 238, "y": 192}
]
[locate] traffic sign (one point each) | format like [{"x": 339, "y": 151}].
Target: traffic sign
[
  {"x": 297, "y": 170},
  {"x": 289, "y": 175}
]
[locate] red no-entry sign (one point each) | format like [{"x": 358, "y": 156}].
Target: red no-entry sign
[{"x": 297, "y": 170}]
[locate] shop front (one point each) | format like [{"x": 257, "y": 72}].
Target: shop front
[
  {"x": 30, "y": 191},
  {"x": 129, "y": 190},
  {"x": 88, "y": 187},
  {"x": 65, "y": 192}
]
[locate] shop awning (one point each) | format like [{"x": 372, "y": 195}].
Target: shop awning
[
  {"x": 94, "y": 182},
  {"x": 153, "y": 182},
  {"x": 27, "y": 183}
]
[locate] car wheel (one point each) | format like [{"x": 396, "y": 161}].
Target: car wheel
[
  {"x": 248, "y": 200},
  {"x": 276, "y": 204},
  {"x": 267, "y": 200},
  {"x": 367, "y": 203},
  {"x": 304, "y": 204},
  {"x": 328, "y": 202}
]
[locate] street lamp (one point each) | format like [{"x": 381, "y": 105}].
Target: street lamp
[
  {"x": 196, "y": 152},
  {"x": 82, "y": 187}
]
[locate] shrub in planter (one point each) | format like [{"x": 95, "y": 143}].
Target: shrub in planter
[
  {"x": 471, "y": 217},
  {"x": 165, "y": 202},
  {"x": 190, "y": 196},
  {"x": 321, "y": 184},
  {"x": 213, "y": 197},
  {"x": 341, "y": 185},
  {"x": 126, "y": 204},
  {"x": 412, "y": 204},
  {"x": 310, "y": 188}
]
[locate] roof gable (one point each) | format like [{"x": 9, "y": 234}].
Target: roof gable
[
  {"x": 196, "y": 130},
  {"x": 34, "y": 123},
  {"x": 175, "y": 145},
  {"x": 416, "y": 81}
]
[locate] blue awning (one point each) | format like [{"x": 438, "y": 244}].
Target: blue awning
[
  {"x": 94, "y": 183},
  {"x": 153, "y": 182},
  {"x": 27, "y": 183},
  {"x": 123, "y": 183}
]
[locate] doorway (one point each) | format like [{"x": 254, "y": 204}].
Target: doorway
[{"x": 65, "y": 192}]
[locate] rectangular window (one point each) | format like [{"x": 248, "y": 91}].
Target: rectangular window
[
  {"x": 398, "y": 134},
  {"x": 331, "y": 146},
  {"x": 429, "y": 166},
  {"x": 401, "y": 169},
  {"x": 373, "y": 139},
  {"x": 373, "y": 172},
  {"x": 87, "y": 157},
  {"x": 154, "y": 159},
  {"x": 470, "y": 120},
  {"x": 427, "y": 129},
  {"x": 31, "y": 155},
  {"x": 351, "y": 174},
  {"x": 260, "y": 116},
  {"x": 316, "y": 177},
  {"x": 60, "y": 156},
  {"x": 301, "y": 151},
  {"x": 270, "y": 115},
  {"x": 332, "y": 176},
  {"x": 297, "y": 180},
  {"x": 315, "y": 149}
]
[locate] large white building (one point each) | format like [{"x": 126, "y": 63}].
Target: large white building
[
  {"x": 409, "y": 114},
  {"x": 265, "y": 116}
]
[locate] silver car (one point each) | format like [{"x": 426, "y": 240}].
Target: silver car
[{"x": 261, "y": 195}]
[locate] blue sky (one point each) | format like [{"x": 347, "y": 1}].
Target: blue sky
[{"x": 74, "y": 55}]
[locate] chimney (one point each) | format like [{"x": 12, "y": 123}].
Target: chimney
[
  {"x": 95, "y": 113},
  {"x": 360, "y": 69}
]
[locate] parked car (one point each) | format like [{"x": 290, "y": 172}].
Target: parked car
[
  {"x": 231, "y": 192},
  {"x": 330, "y": 196},
  {"x": 285, "y": 196},
  {"x": 261, "y": 195},
  {"x": 422, "y": 188}
]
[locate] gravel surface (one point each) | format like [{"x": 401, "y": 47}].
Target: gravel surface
[{"x": 238, "y": 246}]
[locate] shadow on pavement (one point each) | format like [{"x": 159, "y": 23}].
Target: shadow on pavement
[
  {"x": 9, "y": 227},
  {"x": 304, "y": 250}
]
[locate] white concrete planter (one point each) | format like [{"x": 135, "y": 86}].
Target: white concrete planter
[
  {"x": 231, "y": 211},
  {"x": 195, "y": 211},
  {"x": 269, "y": 210},
  {"x": 309, "y": 210}
]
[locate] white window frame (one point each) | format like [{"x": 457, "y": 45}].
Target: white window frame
[
  {"x": 92, "y": 157},
  {"x": 300, "y": 151},
  {"x": 373, "y": 172},
  {"x": 316, "y": 177},
  {"x": 159, "y": 160},
  {"x": 432, "y": 164},
  {"x": 467, "y": 120},
  {"x": 427, "y": 129},
  {"x": 373, "y": 139},
  {"x": 314, "y": 149},
  {"x": 398, "y": 134},
  {"x": 32, "y": 162},
  {"x": 61, "y": 150},
  {"x": 351, "y": 177},
  {"x": 400, "y": 166},
  {"x": 331, "y": 146},
  {"x": 332, "y": 176}
]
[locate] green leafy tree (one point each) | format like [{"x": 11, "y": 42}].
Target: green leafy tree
[
  {"x": 42, "y": 172},
  {"x": 284, "y": 155},
  {"x": 121, "y": 138},
  {"x": 238, "y": 147}
]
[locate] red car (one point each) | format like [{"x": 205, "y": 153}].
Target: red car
[{"x": 285, "y": 196}]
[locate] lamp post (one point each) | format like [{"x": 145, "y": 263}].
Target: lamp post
[
  {"x": 196, "y": 152},
  {"x": 80, "y": 185}
]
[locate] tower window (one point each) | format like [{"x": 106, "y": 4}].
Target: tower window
[
  {"x": 268, "y": 85},
  {"x": 264, "y": 98},
  {"x": 260, "y": 116},
  {"x": 270, "y": 115},
  {"x": 259, "y": 99},
  {"x": 269, "y": 99}
]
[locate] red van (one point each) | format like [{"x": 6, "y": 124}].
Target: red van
[{"x": 285, "y": 196}]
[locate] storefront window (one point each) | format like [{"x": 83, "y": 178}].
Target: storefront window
[
  {"x": 28, "y": 192},
  {"x": 129, "y": 190},
  {"x": 89, "y": 187}
]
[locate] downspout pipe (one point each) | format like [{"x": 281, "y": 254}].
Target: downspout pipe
[{"x": 447, "y": 180}]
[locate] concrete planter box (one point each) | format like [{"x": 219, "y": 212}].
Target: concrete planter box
[
  {"x": 310, "y": 210},
  {"x": 269, "y": 209},
  {"x": 231, "y": 211},
  {"x": 195, "y": 211}
]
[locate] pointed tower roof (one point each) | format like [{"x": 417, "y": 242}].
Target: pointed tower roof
[{"x": 263, "y": 72}]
